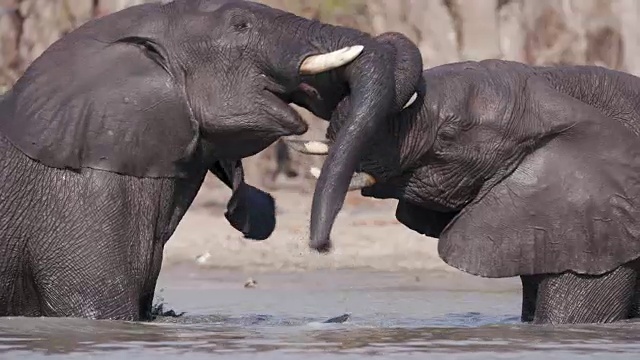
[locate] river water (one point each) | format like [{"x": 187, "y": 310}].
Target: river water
[{"x": 392, "y": 316}]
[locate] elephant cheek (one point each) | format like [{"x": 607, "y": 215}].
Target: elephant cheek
[{"x": 252, "y": 212}]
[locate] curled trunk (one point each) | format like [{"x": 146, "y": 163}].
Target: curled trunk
[{"x": 381, "y": 81}]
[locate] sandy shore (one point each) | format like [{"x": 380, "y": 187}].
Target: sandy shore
[{"x": 366, "y": 236}]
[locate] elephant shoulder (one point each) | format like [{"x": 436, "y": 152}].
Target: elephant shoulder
[{"x": 571, "y": 205}]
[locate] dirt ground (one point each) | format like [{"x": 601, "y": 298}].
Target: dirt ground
[{"x": 366, "y": 236}]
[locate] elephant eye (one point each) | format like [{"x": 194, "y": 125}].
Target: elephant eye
[{"x": 240, "y": 24}]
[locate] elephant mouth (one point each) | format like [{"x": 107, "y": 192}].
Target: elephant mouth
[
  {"x": 319, "y": 99},
  {"x": 319, "y": 86},
  {"x": 321, "y": 102},
  {"x": 322, "y": 83}
]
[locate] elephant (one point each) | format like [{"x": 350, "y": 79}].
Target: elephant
[
  {"x": 518, "y": 171},
  {"x": 108, "y": 135}
]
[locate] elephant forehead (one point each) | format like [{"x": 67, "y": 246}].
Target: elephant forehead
[{"x": 214, "y": 5}]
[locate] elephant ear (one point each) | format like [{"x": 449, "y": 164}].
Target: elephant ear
[
  {"x": 572, "y": 205},
  {"x": 109, "y": 106}
]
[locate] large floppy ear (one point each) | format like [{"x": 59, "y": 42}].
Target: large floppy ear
[
  {"x": 106, "y": 105},
  {"x": 572, "y": 205},
  {"x": 250, "y": 210}
]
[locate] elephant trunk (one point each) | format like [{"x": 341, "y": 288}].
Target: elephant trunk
[
  {"x": 381, "y": 81},
  {"x": 249, "y": 210}
]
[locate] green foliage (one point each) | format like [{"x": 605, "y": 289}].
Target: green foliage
[{"x": 331, "y": 9}]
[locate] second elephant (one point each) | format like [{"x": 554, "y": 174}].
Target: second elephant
[{"x": 519, "y": 171}]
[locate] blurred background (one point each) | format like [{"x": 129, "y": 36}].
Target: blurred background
[{"x": 599, "y": 32}]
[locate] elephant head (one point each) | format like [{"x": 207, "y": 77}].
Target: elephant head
[
  {"x": 360, "y": 115},
  {"x": 518, "y": 170},
  {"x": 165, "y": 90}
]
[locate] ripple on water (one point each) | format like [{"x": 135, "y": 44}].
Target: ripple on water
[
  {"x": 393, "y": 316},
  {"x": 275, "y": 337}
]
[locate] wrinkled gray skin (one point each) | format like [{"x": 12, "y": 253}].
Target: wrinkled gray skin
[
  {"x": 108, "y": 136},
  {"x": 519, "y": 171}
]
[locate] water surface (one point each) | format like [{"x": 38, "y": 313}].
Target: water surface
[{"x": 393, "y": 316}]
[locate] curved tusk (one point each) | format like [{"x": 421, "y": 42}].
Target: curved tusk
[
  {"x": 411, "y": 101},
  {"x": 360, "y": 180},
  {"x": 317, "y": 64},
  {"x": 309, "y": 147}
]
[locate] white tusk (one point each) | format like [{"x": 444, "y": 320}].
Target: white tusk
[
  {"x": 360, "y": 180},
  {"x": 411, "y": 101},
  {"x": 309, "y": 147},
  {"x": 317, "y": 64}
]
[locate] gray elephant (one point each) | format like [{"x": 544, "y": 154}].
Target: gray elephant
[
  {"x": 518, "y": 170},
  {"x": 107, "y": 137}
]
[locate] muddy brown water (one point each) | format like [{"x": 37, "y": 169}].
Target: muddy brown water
[{"x": 393, "y": 316}]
